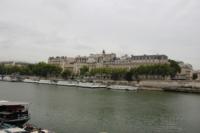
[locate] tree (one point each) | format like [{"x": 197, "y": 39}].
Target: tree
[
  {"x": 118, "y": 73},
  {"x": 115, "y": 73},
  {"x": 46, "y": 70},
  {"x": 128, "y": 76},
  {"x": 66, "y": 73},
  {"x": 175, "y": 68},
  {"x": 148, "y": 70},
  {"x": 25, "y": 70},
  {"x": 84, "y": 70},
  {"x": 2, "y": 70},
  {"x": 40, "y": 69},
  {"x": 194, "y": 76}
]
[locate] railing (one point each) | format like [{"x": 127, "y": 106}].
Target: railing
[{"x": 17, "y": 117}]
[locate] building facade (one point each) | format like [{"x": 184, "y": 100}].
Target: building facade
[
  {"x": 63, "y": 61},
  {"x": 186, "y": 71},
  {"x": 136, "y": 61},
  {"x": 106, "y": 60}
]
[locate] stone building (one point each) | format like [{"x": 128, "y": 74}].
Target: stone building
[
  {"x": 93, "y": 60},
  {"x": 80, "y": 61},
  {"x": 103, "y": 57},
  {"x": 63, "y": 61},
  {"x": 107, "y": 60},
  {"x": 136, "y": 61},
  {"x": 186, "y": 71}
]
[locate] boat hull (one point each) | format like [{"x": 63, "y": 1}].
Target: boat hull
[
  {"x": 18, "y": 122},
  {"x": 122, "y": 87}
]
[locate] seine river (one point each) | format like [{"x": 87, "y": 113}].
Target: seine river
[{"x": 81, "y": 110}]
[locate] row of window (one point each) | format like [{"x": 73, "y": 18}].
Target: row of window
[{"x": 148, "y": 57}]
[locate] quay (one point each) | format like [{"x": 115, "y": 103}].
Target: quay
[{"x": 161, "y": 85}]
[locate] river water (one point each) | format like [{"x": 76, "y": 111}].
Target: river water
[{"x": 81, "y": 110}]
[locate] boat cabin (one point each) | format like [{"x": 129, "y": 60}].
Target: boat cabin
[{"x": 14, "y": 112}]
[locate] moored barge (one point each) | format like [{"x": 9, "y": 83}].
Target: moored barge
[{"x": 15, "y": 113}]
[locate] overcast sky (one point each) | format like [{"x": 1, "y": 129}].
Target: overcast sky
[{"x": 33, "y": 30}]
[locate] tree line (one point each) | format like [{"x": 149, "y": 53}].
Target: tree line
[
  {"x": 47, "y": 70},
  {"x": 161, "y": 70},
  {"x": 40, "y": 69}
]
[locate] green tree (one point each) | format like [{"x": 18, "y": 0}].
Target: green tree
[
  {"x": 129, "y": 76},
  {"x": 194, "y": 76},
  {"x": 2, "y": 70},
  {"x": 66, "y": 73},
  {"x": 118, "y": 73},
  {"x": 148, "y": 70},
  {"x": 115, "y": 73},
  {"x": 174, "y": 68},
  {"x": 84, "y": 70},
  {"x": 25, "y": 70},
  {"x": 46, "y": 70}
]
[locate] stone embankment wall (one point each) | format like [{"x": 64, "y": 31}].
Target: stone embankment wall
[
  {"x": 182, "y": 86},
  {"x": 167, "y": 85}
]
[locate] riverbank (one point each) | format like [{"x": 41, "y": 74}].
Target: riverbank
[
  {"x": 177, "y": 86},
  {"x": 161, "y": 85}
]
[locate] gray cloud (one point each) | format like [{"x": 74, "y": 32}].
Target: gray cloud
[{"x": 34, "y": 30}]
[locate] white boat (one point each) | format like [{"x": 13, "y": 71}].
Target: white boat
[
  {"x": 42, "y": 81},
  {"x": 6, "y": 128},
  {"x": 122, "y": 87},
  {"x": 98, "y": 85},
  {"x": 84, "y": 85},
  {"x": 90, "y": 85},
  {"x": 51, "y": 82},
  {"x": 30, "y": 81},
  {"x": 7, "y": 78},
  {"x": 67, "y": 83}
]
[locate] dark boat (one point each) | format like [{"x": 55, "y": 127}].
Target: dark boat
[{"x": 15, "y": 113}]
